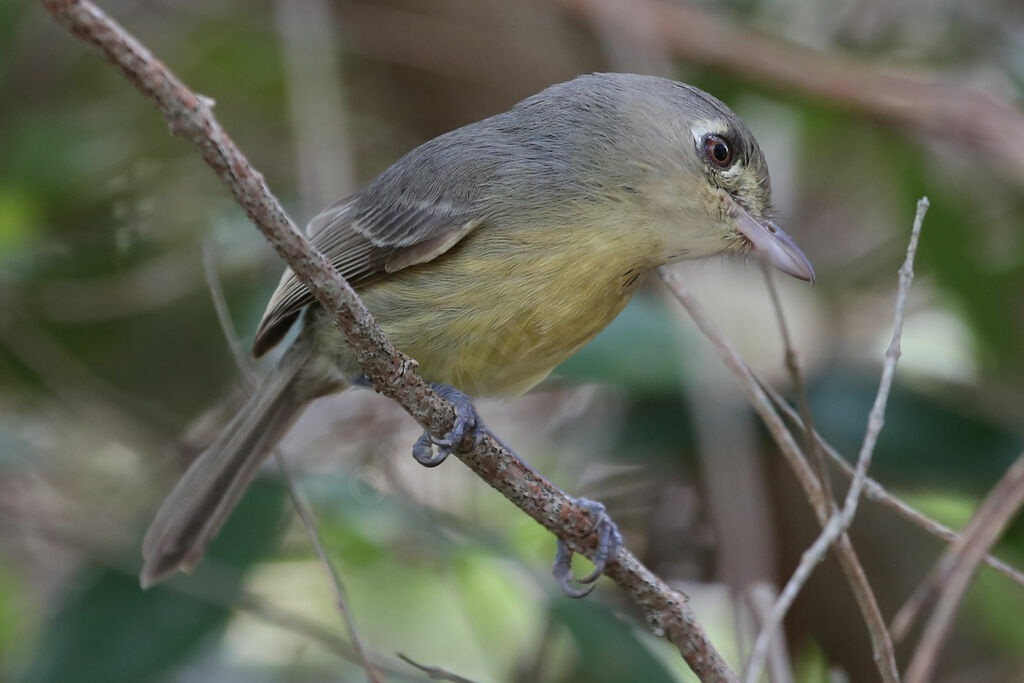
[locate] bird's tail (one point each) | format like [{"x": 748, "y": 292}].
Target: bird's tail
[{"x": 200, "y": 503}]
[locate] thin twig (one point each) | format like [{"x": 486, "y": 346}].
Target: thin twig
[
  {"x": 296, "y": 623},
  {"x": 299, "y": 502},
  {"x": 953, "y": 574},
  {"x": 761, "y": 596},
  {"x": 392, "y": 373},
  {"x": 879, "y": 494},
  {"x": 881, "y": 644},
  {"x": 773, "y": 619},
  {"x": 435, "y": 673},
  {"x": 942, "y": 574},
  {"x": 227, "y": 326},
  {"x": 841, "y": 521},
  {"x": 799, "y": 387},
  {"x": 306, "y": 515},
  {"x": 876, "y": 418}
]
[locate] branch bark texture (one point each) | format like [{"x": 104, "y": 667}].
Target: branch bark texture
[
  {"x": 952, "y": 576},
  {"x": 392, "y": 373}
]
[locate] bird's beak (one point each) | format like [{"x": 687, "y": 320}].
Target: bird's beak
[{"x": 772, "y": 245}]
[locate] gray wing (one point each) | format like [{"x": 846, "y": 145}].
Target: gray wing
[{"x": 368, "y": 236}]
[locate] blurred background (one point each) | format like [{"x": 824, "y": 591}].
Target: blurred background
[{"x": 114, "y": 370}]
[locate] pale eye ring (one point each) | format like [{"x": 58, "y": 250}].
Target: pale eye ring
[{"x": 719, "y": 150}]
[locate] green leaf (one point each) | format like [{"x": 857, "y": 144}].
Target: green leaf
[
  {"x": 109, "y": 630},
  {"x": 19, "y": 212},
  {"x": 608, "y": 648},
  {"x": 19, "y": 617},
  {"x": 926, "y": 441}
]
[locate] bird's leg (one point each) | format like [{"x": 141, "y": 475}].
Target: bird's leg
[
  {"x": 609, "y": 540},
  {"x": 467, "y": 422}
]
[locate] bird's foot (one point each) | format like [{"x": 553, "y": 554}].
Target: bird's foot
[
  {"x": 609, "y": 540},
  {"x": 467, "y": 422}
]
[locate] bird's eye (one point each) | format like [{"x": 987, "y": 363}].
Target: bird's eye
[{"x": 718, "y": 150}]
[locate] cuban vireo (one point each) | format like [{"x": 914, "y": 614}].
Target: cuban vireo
[{"x": 491, "y": 254}]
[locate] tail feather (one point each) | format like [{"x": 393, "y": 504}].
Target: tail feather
[{"x": 200, "y": 503}]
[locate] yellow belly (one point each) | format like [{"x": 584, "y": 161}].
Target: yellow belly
[{"x": 497, "y": 313}]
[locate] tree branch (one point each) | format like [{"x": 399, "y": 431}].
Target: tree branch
[
  {"x": 299, "y": 502},
  {"x": 799, "y": 387},
  {"x": 842, "y": 519},
  {"x": 391, "y": 372},
  {"x": 881, "y": 644},
  {"x": 877, "y": 493},
  {"x": 952, "y": 575},
  {"x": 435, "y": 673}
]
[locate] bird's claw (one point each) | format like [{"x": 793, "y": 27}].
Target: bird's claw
[
  {"x": 467, "y": 422},
  {"x": 609, "y": 540}
]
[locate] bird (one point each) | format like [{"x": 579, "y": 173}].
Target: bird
[{"x": 490, "y": 254}]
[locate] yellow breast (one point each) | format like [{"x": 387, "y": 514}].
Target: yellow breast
[{"x": 498, "y": 312}]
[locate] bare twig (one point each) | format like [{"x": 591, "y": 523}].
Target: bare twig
[
  {"x": 761, "y": 596},
  {"x": 981, "y": 122},
  {"x": 841, "y": 521},
  {"x": 799, "y": 387},
  {"x": 294, "y": 622},
  {"x": 390, "y": 372},
  {"x": 435, "y": 673},
  {"x": 306, "y": 515},
  {"x": 299, "y": 502},
  {"x": 877, "y": 493},
  {"x": 952, "y": 575},
  {"x": 876, "y": 418},
  {"x": 227, "y": 326},
  {"x": 881, "y": 644}
]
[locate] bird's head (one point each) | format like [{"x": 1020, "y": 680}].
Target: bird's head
[
  {"x": 738, "y": 192},
  {"x": 707, "y": 176}
]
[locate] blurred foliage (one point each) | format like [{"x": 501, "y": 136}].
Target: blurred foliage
[
  {"x": 964, "y": 451},
  {"x": 593, "y": 628},
  {"x": 106, "y": 614},
  {"x": 638, "y": 350},
  {"x": 111, "y": 355}
]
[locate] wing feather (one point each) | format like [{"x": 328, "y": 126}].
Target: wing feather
[{"x": 366, "y": 240}]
